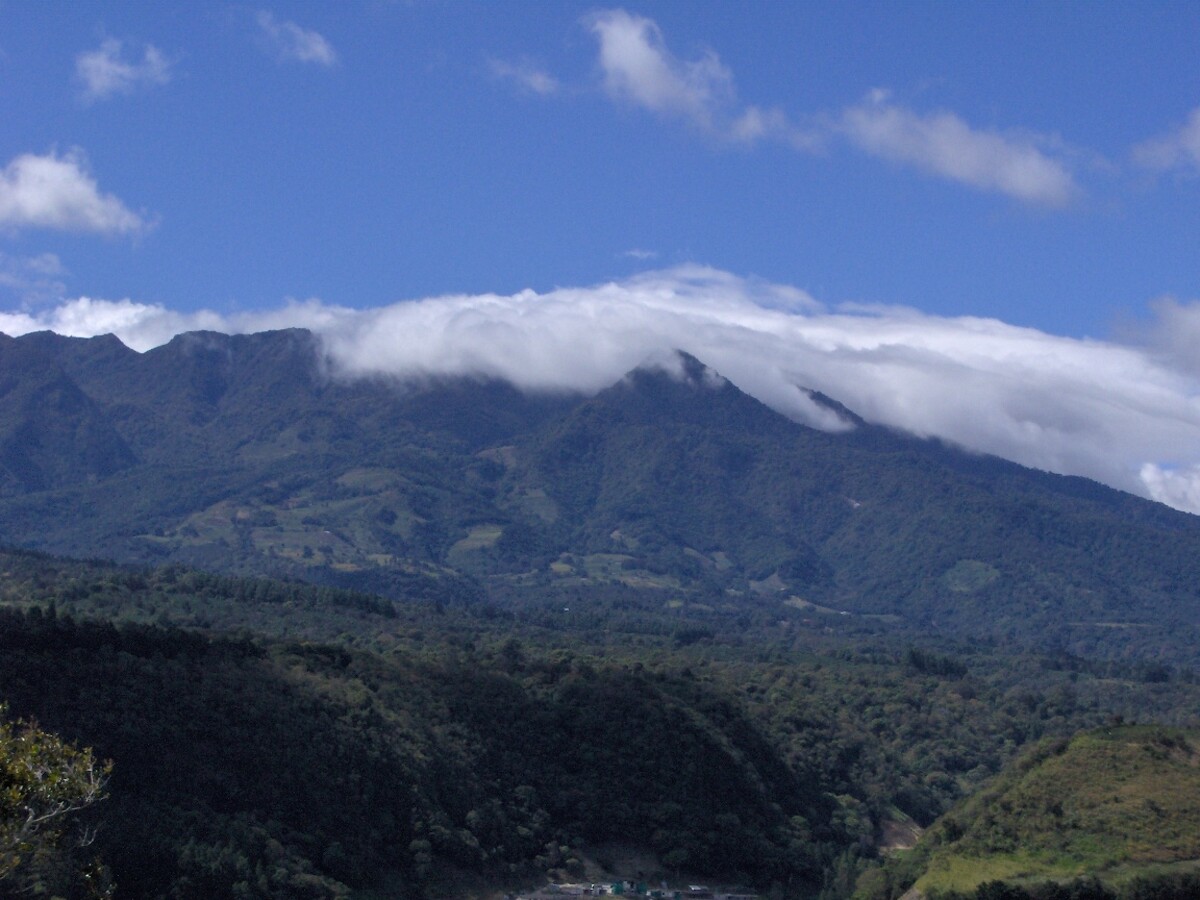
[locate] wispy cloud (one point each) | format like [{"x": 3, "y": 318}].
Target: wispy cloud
[
  {"x": 105, "y": 72},
  {"x": 32, "y": 280},
  {"x": 1177, "y": 149},
  {"x": 1127, "y": 414},
  {"x": 143, "y": 326},
  {"x": 638, "y": 69},
  {"x": 57, "y": 192},
  {"x": 289, "y": 42},
  {"x": 1177, "y": 487},
  {"x": 1173, "y": 333},
  {"x": 943, "y": 144},
  {"x": 526, "y": 75}
]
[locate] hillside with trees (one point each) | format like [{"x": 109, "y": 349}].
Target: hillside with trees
[
  {"x": 414, "y": 640},
  {"x": 243, "y": 454},
  {"x": 403, "y": 747}
]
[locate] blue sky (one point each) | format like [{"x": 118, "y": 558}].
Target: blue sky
[
  {"x": 919, "y": 167},
  {"x": 412, "y": 159}
]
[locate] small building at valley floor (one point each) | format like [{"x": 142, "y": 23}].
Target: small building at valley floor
[{"x": 632, "y": 889}]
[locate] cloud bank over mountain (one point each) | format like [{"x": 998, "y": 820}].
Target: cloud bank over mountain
[{"x": 1126, "y": 414}]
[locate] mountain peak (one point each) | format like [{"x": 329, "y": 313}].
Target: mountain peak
[
  {"x": 679, "y": 388},
  {"x": 696, "y": 373},
  {"x": 678, "y": 366}
]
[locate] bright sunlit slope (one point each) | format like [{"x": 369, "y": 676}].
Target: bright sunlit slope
[{"x": 1116, "y": 803}]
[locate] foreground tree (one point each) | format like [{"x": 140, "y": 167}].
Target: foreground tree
[{"x": 44, "y": 783}]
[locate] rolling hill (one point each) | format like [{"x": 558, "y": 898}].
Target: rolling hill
[{"x": 1119, "y": 806}]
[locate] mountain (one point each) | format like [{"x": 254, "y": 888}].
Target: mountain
[
  {"x": 247, "y": 454},
  {"x": 512, "y": 636},
  {"x": 52, "y": 434}
]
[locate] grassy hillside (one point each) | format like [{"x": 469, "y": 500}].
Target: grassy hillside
[{"x": 1116, "y": 803}]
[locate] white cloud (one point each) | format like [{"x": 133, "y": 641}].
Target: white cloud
[
  {"x": 756, "y": 124},
  {"x": 1177, "y": 149},
  {"x": 290, "y": 42},
  {"x": 57, "y": 192},
  {"x": 944, "y": 145},
  {"x": 32, "y": 280},
  {"x": 527, "y": 75},
  {"x": 1127, "y": 415},
  {"x": 639, "y": 69},
  {"x": 1174, "y": 333},
  {"x": 105, "y": 72},
  {"x": 143, "y": 326},
  {"x": 1177, "y": 488}
]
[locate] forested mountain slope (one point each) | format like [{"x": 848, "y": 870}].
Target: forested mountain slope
[{"x": 245, "y": 454}]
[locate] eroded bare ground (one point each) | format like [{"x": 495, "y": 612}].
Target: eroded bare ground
[{"x": 900, "y": 835}]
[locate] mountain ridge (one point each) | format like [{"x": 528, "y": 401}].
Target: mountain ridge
[{"x": 242, "y": 453}]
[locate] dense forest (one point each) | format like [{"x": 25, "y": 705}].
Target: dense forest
[{"x": 280, "y": 739}]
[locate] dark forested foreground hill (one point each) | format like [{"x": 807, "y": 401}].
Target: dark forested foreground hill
[
  {"x": 420, "y": 749},
  {"x": 243, "y": 454}
]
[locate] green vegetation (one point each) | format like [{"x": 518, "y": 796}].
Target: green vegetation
[
  {"x": 44, "y": 784},
  {"x": 356, "y": 743},
  {"x": 433, "y": 640},
  {"x": 334, "y": 769},
  {"x": 1115, "y": 802},
  {"x": 238, "y": 454}
]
